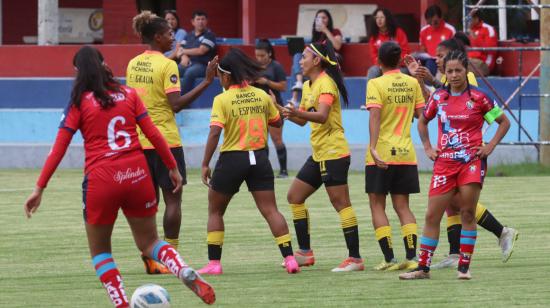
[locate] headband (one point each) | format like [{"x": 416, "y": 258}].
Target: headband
[
  {"x": 223, "y": 70},
  {"x": 316, "y": 52}
]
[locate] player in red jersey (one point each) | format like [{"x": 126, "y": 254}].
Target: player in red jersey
[
  {"x": 116, "y": 173},
  {"x": 460, "y": 159}
]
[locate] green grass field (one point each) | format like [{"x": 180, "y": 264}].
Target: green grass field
[{"x": 44, "y": 261}]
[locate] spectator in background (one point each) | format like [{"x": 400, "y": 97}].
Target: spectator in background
[
  {"x": 436, "y": 31},
  {"x": 179, "y": 34},
  {"x": 198, "y": 50},
  {"x": 383, "y": 28},
  {"x": 482, "y": 35},
  {"x": 273, "y": 79},
  {"x": 322, "y": 31}
]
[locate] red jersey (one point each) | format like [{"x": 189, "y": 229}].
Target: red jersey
[
  {"x": 483, "y": 35},
  {"x": 376, "y": 42},
  {"x": 108, "y": 133},
  {"x": 430, "y": 37},
  {"x": 460, "y": 120}
]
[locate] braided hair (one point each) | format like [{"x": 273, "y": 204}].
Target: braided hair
[{"x": 463, "y": 59}]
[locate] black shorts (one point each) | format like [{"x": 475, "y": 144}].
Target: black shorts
[
  {"x": 159, "y": 172},
  {"x": 397, "y": 179},
  {"x": 332, "y": 172},
  {"x": 235, "y": 167}
]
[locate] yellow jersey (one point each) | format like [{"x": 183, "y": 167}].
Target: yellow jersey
[
  {"x": 471, "y": 79},
  {"x": 154, "y": 76},
  {"x": 327, "y": 140},
  {"x": 397, "y": 95},
  {"x": 244, "y": 112}
]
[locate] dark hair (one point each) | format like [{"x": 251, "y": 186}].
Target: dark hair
[
  {"x": 265, "y": 44},
  {"x": 320, "y": 36},
  {"x": 199, "y": 13},
  {"x": 147, "y": 24},
  {"x": 241, "y": 67},
  {"x": 333, "y": 71},
  {"x": 389, "y": 54},
  {"x": 453, "y": 44},
  {"x": 462, "y": 38},
  {"x": 92, "y": 75},
  {"x": 463, "y": 59},
  {"x": 432, "y": 11},
  {"x": 391, "y": 24},
  {"x": 175, "y": 14}
]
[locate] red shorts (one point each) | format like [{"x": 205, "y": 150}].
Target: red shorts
[
  {"x": 448, "y": 175},
  {"x": 125, "y": 184}
]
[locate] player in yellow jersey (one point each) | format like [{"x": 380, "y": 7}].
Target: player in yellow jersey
[
  {"x": 330, "y": 160},
  {"x": 506, "y": 236},
  {"x": 392, "y": 100},
  {"x": 243, "y": 113},
  {"x": 156, "y": 80}
]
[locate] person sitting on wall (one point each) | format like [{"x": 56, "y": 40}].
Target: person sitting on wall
[
  {"x": 179, "y": 34},
  {"x": 198, "y": 50}
]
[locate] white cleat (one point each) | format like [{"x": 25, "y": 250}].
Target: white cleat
[
  {"x": 506, "y": 242},
  {"x": 464, "y": 276},
  {"x": 449, "y": 261}
]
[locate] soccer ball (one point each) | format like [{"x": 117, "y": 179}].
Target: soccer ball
[{"x": 150, "y": 296}]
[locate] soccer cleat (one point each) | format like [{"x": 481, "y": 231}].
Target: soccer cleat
[
  {"x": 291, "y": 265},
  {"x": 199, "y": 286},
  {"x": 405, "y": 265},
  {"x": 415, "y": 274},
  {"x": 214, "y": 267},
  {"x": 506, "y": 242},
  {"x": 449, "y": 261},
  {"x": 464, "y": 276},
  {"x": 153, "y": 267},
  {"x": 385, "y": 265},
  {"x": 303, "y": 258},
  {"x": 350, "y": 265}
]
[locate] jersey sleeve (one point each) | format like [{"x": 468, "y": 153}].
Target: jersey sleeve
[
  {"x": 209, "y": 40},
  {"x": 70, "y": 120},
  {"x": 171, "y": 82},
  {"x": 374, "y": 98},
  {"x": 327, "y": 86},
  {"x": 491, "y": 111},
  {"x": 431, "y": 108},
  {"x": 418, "y": 97},
  {"x": 217, "y": 116},
  {"x": 57, "y": 152}
]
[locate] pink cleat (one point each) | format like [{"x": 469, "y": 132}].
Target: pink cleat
[
  {"x": 291, "y": 265},
  {"x": 214, "y": 267}
]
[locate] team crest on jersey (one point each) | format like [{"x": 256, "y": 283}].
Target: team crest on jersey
[
  {"x": 174, "y": 79},
  {"x": 473, "y": 168},
  {"x": 469, "y": 105},
  {"x": 437, "y": 97}
]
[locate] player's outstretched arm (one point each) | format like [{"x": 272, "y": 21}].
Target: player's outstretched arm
[
  {"x": 178, "y": 102},
  {"x": 211, "y": 144},
  {"x": 59, "y": 148}
]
